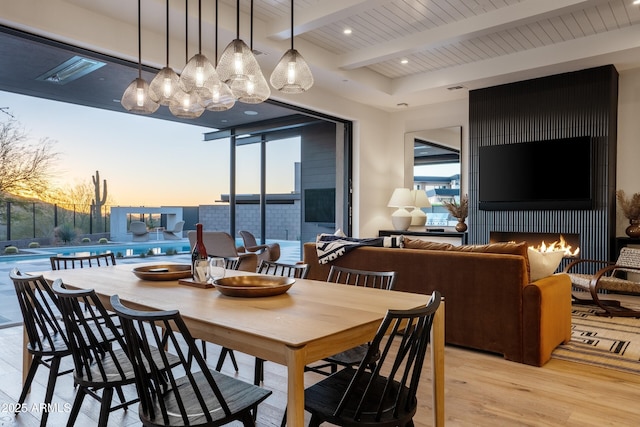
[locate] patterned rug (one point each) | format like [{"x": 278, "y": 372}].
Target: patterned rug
[{"x": 610, "y": 342}]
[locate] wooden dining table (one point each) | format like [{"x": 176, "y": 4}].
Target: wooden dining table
[{"x": 309, "y": 322}]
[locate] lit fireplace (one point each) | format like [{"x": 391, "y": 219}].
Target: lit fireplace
[{"x": 542, "y": 242}]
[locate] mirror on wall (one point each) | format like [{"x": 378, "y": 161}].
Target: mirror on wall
[{"x": 433, "y": 158}]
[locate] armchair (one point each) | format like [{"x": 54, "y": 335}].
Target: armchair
[
  {"x": 623, "y": 276},
  {"x": 221, "y": 244},
  {"x": 270, "y": 252},
  {"x": 139, "y": 231},
  {"x": 176, "y": 233}
]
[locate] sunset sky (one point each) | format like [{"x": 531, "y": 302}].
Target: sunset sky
[{"x": 146, "y": 161}]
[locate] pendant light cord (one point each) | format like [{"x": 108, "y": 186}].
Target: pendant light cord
[
  {"x": 291, "y": 24},
  {"x": 139, "y": 43},
  {"x": 238, "y": 19},
  {"x": 199, "y": 26},
  {"x": 251, "y": 29},
  {"x": 167, "y": 33},
  {"x": 216, "y": 37},
  {"x": 186, "y": 31}
]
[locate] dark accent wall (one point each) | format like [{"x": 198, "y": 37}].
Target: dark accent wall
[{"x": 559, "y": 106}]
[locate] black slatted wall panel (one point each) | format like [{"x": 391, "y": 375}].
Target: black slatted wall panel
[{"x": 560, "y": 106}]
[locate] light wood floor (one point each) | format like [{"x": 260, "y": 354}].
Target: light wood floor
[{"x": 481, "y": 390}]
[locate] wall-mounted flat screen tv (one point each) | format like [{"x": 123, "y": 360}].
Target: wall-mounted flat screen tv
[{"x": 551, "y": 174}]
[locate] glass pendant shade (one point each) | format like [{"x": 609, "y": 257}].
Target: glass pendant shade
[
  {"x": 164, "y": 85},
  {"x": 186, "y": 105},
  {"x": 240, "y": 70},
  {"x": 292, "y": 74},
  {"x": 221, "y": 98},
  {"x": 199, "y": 75},
  {"x": 136, "y": 98}
]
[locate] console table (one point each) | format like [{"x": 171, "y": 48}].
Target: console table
[{"x": 453, "y": 237}]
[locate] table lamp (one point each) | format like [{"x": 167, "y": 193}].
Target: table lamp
[
  {"x": 418, "y": 216},
  {"x": 401, "y": 199}
]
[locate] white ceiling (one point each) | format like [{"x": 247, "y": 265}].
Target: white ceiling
[{"x": 447, "y": 43}]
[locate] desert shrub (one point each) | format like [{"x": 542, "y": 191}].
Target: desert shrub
[
  {"x": 34, "y": 245},
  {"x": 119, "y": 255},
  {"x": 86, "y": 240},
  {"x": 171, "y": 251},
  {"x": 64, "y": 233},
  {"x": 103, "y": 241},
  {"x": 10, "y": 250},
  {"x": 143, "y": 255},
  {"x": 150, "y": 252}
]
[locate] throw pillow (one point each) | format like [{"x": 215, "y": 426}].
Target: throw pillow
[
  {"x": 410, "y": 243},
  {"x": 543, "y": 264}
]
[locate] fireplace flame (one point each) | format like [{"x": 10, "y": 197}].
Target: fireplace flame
[{"x": 557, "y": 246}]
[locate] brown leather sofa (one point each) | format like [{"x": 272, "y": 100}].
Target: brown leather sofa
[{"x": 490, "y": 304}]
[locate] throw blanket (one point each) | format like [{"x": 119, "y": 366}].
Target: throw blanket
[{"x": 330, "y": 247}]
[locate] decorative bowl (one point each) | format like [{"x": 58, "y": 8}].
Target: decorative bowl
[
  {"x": 253, "y": 286},
  {"x": 163, "y": 271}
]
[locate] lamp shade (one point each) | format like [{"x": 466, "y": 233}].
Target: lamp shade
[
  {"x": 164, "y": 85},
  {"x": 136, "y": 98},
  {"x": 199, "y": 75},
  {"x": 418, "y": 216},
  {"x": 400, "y": 198},
  {"x": 186, "y": 105},
  {"x": 401, "y": 218},
  {"x": 240, "y": 70},
  {"x": 292, "y": 74}
]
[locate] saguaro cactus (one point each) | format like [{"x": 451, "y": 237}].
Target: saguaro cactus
[{"x": 98, "y": 202}]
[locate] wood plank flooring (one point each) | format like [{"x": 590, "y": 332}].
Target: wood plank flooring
[{"x": 480, "y": 390}]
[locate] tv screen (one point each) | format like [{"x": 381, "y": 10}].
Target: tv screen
[
  {"x": 551, "y": 174},
  {"x": 320, "y": 205}
]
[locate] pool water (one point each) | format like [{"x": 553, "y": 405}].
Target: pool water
[{"x": 129, "y": 249}]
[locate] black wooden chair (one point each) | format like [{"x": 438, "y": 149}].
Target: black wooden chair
[
  {"x": 48, "y": 343},
  {"x": 98, "y": 349},
  {"x": 64, "y": 262},
  {"x": 368, "y": 279},
  {"x": 298, "y": 271},
  {"x": 190, "y": 394},
  {"x": 386, "y": 396}
]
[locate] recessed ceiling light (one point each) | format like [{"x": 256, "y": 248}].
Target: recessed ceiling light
[
  {"x": 402, "y": 104},
  {"x": 404, "y": 61},
  {"x": 455, "y": 87},
  {"x": 251, "y": 113},
  {"x": 347, "y": 31}
]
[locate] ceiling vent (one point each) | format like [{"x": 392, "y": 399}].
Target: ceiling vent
[{"x": 70, "y": 70}]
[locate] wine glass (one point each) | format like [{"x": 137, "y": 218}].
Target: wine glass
[{"x": 216, "y": 269}]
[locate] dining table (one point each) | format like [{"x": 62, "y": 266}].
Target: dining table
[{"x": 310, "y": 321}]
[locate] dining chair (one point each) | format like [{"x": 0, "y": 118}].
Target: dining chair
[
  {"x": 48, "y": 343},
  {"x": 221, "y": 244},
  {"x": 385, "y": 396},
  {"x": 99, "y": 353},
  {"x": 348, "y": 276},
  {"x": 297, "y": 271},
  {"x": 266, "y": 252},
  {"x": 189, "y": 393},
  {"x": 63, "y": 262}
]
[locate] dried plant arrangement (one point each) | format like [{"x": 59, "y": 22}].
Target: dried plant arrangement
[
  {"x": 630, "y": 206},
  {"x": 458, "y": 210}
]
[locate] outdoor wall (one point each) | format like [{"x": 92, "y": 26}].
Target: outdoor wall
[{"x": 283, "y": 220}]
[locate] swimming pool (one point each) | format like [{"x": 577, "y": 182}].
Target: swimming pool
[{"x": 126, "y": 249}]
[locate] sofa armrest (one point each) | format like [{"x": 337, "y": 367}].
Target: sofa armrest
[{"x": 546, "y": 307}]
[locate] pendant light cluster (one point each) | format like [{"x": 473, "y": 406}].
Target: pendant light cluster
[{"x": 214, "y": 87}]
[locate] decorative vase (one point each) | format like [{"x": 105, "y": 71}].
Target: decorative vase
[
  {"x": 461, "y": 226},
  {"x": 633, "y": 230}
]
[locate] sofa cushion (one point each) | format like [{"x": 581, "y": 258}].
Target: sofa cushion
[
  {"x": 543, "y": 264},
  {"x": 410, "y": 243}
]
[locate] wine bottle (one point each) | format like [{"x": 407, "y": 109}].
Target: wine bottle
[{"x": 199, "y": 257}]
